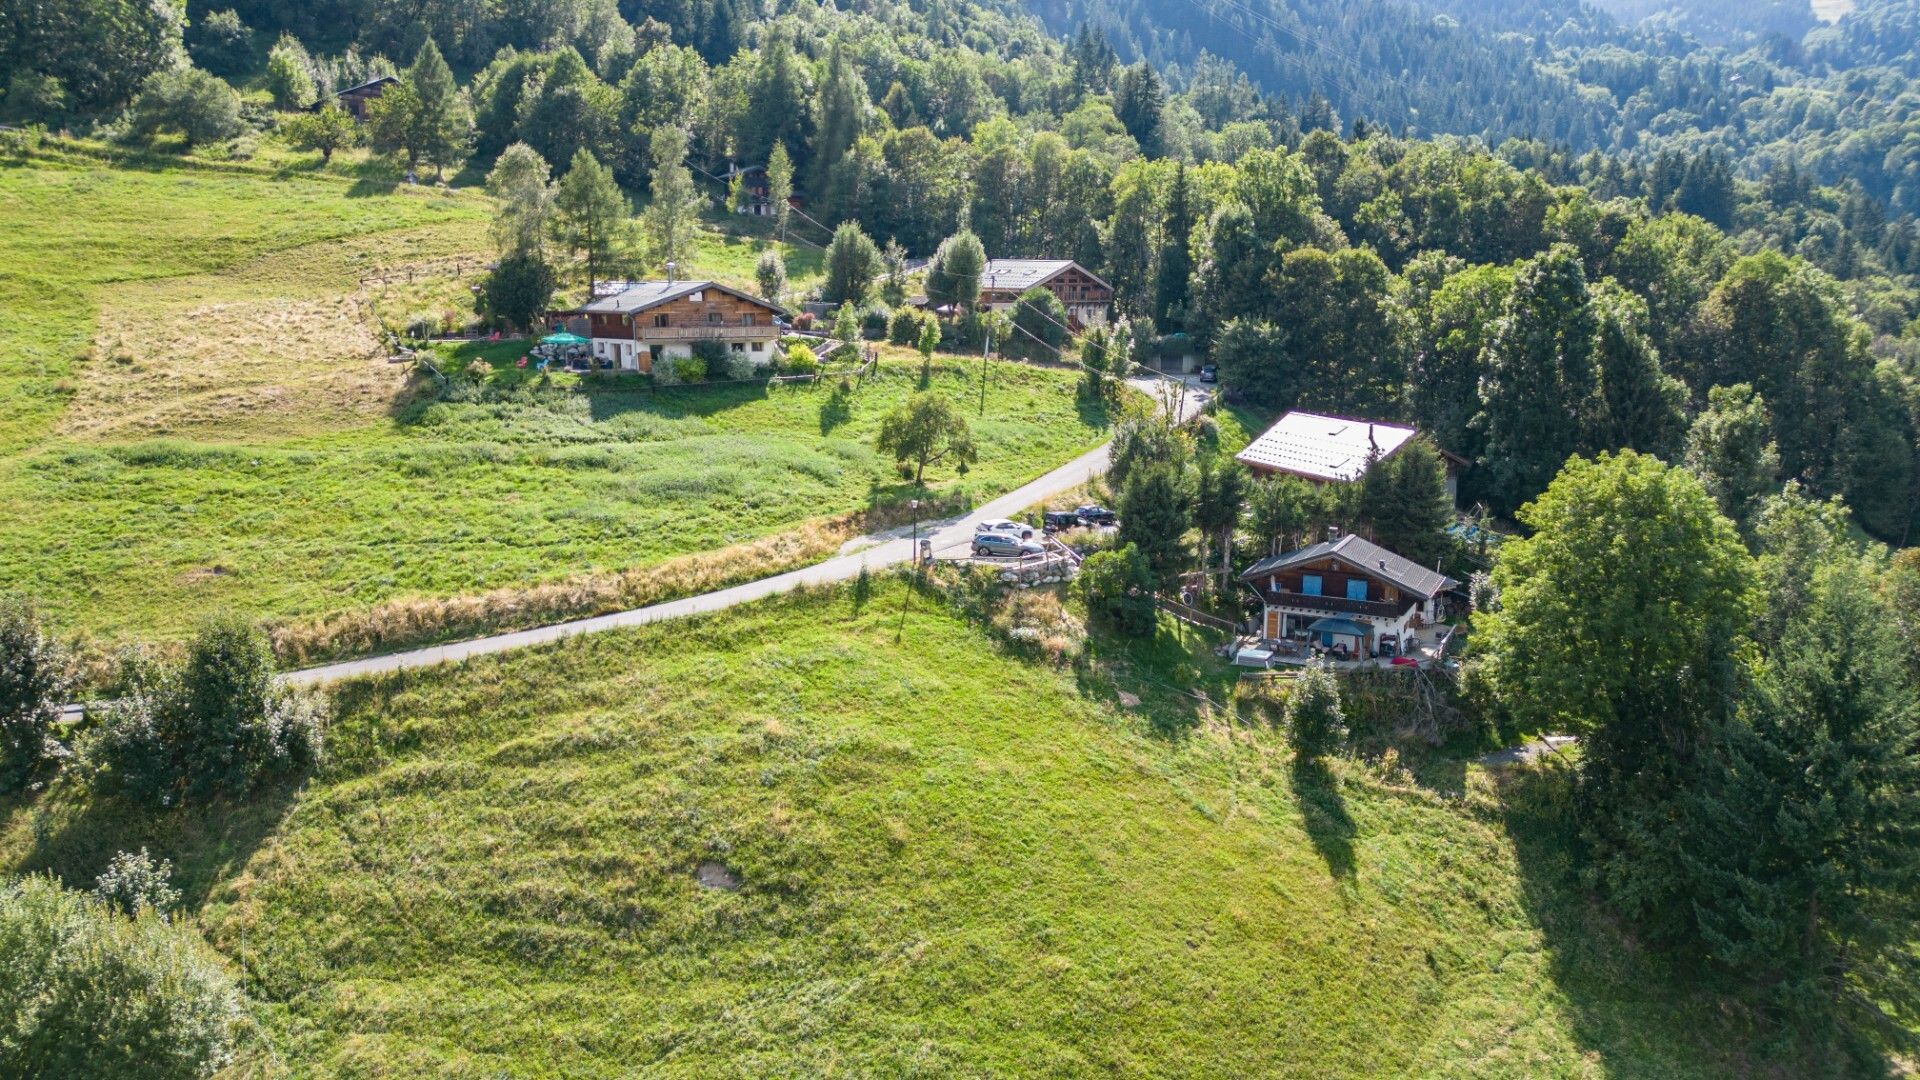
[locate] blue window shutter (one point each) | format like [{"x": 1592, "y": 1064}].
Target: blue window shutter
[
  {"x": 1310, "y": 584},
  {"x": 1356, "y": 588}
]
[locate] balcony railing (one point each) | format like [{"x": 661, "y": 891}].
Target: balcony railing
[
  {"x": 725, "y": 332},
  {"x": 1337, "y": 604}
]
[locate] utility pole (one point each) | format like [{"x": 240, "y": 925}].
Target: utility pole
[{"x": 984, "y": 350}]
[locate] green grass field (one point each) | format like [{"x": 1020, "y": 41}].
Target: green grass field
[
  {"x": 196, "y": 413},
  {"x": 951, "y": 862}
]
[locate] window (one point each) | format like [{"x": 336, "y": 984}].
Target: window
[
  {"x": 1310, "y": 584},
  {"x": 697, "y": 296},
  {"x": 738, "y": 347},
  {"x": 1356, "y": 588},
  {"x": 747, "y": 319},
  {"x": 759, "y": 346},
  {"x": 713, "y": 318},
  {"x": 660, "y": 319}
]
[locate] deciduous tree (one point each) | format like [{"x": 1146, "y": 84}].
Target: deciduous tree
[{"x": 924, "y": 431}]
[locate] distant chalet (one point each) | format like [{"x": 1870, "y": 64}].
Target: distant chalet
[
  {"x": 1086, "y": 297},
  {"x": 355, "y": 99},
  {"x": 634, "y": 324},
  {"x": 1332, "y": 449}
]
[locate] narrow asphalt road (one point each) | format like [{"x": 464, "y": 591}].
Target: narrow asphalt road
[{"x": 949, "y": 533}]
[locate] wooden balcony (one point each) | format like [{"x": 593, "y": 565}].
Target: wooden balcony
[{"x": 659, "y": 335}]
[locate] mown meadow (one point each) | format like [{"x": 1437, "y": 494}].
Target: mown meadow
[
  {"x": 199, "y": 414},
  {"x": 921, "y": 853}
]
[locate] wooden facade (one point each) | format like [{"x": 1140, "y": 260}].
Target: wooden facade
[
  {"x": 355, "y": 99},
  {"x": 634, "y": 339},
  {"x": 1347, "y": 592},
  {"x": 1085, "y": 297}
]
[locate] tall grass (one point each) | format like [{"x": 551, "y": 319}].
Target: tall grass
[{"x": 412, "y": 622}]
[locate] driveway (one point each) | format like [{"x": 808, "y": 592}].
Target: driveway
[{"x": 888, "y": 549}]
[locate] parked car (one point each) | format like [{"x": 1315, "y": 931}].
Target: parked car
[
  {"x": 1061, "y": 520},
  {"x": 1004, "y": 545},
  {"x": 1096, "y": 515},
  {"x": 1210, "y": 373},
  {"x": 1002, "y": 525}
]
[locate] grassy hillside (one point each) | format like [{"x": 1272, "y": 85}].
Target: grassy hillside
[
  {"x": 196, "y": 412},
  {"x": 950, "y": 861}
]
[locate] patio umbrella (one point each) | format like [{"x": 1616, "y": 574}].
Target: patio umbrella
[{"x": 563, "y": 338}]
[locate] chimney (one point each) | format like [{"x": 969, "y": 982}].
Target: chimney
[{"x": 1333, "y": 532}]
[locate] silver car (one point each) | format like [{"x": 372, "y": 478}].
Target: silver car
[{"x": 1004, "y": 545}]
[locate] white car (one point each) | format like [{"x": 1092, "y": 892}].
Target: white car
[{"x": 1002, "y": 525}]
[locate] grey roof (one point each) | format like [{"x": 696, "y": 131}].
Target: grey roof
[
  {"x": 1364, "y": 555},
  {"x": 1324, "y": 447},
  {"x": 626, "y": 298},
  {"x": 377, "y": 80},
  {"x": 1019, "y": 275}
]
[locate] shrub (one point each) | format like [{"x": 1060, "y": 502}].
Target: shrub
[
  {"x": 689, "y": 369},
  {"x": 133, "y": 883},
  {"x": 1118, "y": 586},
  {"x": 904, "y": 328},
  {"x": 801, "y": 361},
  {"x": 196, "y": 105},
  {"x": 1315, "y": 723},
  {"x": 477, "y": 370},
  {"x": 874, "y": 321},
  {"x": 741, "y": 365},
  {"x": 35, "y": 678},
  {"x": 713, "y": 354},
  {"x": 215, "y": 724},
  {"x": 90, "y": 992}
]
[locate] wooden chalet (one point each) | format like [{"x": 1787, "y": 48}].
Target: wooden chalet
[
  {"x": 1086, "y": 297},
  {"x": 758, "y": 189},
  {"x": 354, "y": 99},
  {"x": 634, "y": 324},
  {"x": 1333, "y": 449},
  {"x": 1347, "y": 594}
]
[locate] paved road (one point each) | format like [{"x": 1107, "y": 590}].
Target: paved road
[{"x": 946, "y": 534}]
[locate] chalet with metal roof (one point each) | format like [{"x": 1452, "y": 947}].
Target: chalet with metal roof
[
  {"x": 1332, "y": 449},
  {"x": 355, "y": 99},
  {"x": 1348, "y": 594},
  {"x": 634, "y": 324},
  {"x": 1086, "y": 297}
]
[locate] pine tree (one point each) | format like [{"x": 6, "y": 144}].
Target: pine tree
[
  {"x": 842, "y": 107},
  {"x": 591, "y": 214},
  {"x": 1155, "y": 503},
  {"x": 1175, "y": 265},
  {"x": 1803, "y": 841},
  {"x": 1141, "y": 105}
]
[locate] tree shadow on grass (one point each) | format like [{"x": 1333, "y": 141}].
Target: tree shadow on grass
[
  {"x": 76, "y": 834},
  {"x": 836, "y": 411},
  {"x": 1633, "y": 1008},
  {"x": 1323, "y": 811}
]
